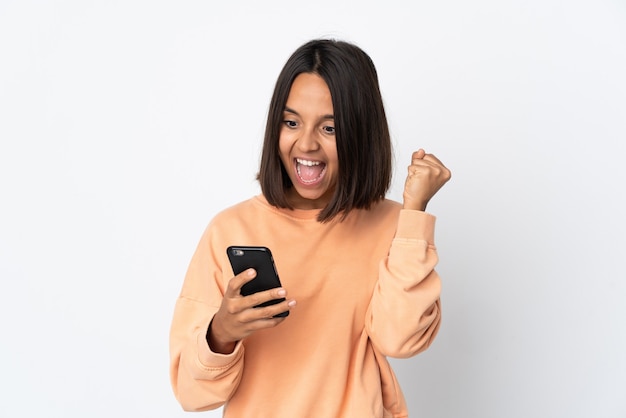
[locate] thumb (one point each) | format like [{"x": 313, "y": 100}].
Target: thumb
[{"x": 418, "y": 155}]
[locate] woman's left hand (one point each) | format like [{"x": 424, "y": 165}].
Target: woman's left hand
[{"x": 426, "y": 176}]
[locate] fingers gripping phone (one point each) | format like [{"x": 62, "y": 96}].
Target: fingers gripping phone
[{"x": 259, "y": 258}]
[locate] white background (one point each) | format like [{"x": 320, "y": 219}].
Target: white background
[{"x": 126, "y": 125}]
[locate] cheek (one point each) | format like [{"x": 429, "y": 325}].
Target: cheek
[
  {"x": 331, "y": 152},
  {"x": 285, "y": 142}
]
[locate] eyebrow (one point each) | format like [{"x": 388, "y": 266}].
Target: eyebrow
[{"x": 290, "y": 110}]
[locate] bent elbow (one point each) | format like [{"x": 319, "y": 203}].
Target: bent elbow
[{"x": 398, "y": 344}]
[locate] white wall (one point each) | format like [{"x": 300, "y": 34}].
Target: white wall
[{"x": 125, "y": 125}]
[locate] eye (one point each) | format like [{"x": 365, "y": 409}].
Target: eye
[
  {"x": 330, "y": 130},
  {"x": 290, "y": 123}
]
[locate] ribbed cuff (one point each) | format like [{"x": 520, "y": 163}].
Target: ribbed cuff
[
  {"x": 212, "y": 360},
  {"x": 415, "y": 224}
]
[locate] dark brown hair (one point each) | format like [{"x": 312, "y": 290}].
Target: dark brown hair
[{"x": 361, "y": 130}]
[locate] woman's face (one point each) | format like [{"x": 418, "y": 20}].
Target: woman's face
[{"x": 307, "y": 143}]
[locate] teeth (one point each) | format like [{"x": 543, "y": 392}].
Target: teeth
[{"x": 307, "y": 163}]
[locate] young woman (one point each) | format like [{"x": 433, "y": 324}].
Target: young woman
[{"x": 360, "y": 267}]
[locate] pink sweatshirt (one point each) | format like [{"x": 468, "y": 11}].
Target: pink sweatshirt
[{"x": 365, "y": 289}]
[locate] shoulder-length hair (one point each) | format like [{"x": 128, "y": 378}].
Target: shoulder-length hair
[{"x": 361, "y": 129}]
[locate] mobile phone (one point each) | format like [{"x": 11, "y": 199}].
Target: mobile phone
[{"x": 259, "y": 258}]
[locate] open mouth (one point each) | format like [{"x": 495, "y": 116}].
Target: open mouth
[{"x": 310, "y": 172}]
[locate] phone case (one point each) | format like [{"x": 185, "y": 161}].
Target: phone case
[{"x": 259, "y": 258}]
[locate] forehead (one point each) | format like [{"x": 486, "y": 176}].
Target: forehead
[{"x": 310, "y": 91}]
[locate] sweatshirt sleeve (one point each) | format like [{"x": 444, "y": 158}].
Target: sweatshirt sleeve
[
  {"x": 405, "y": 310},
  {"x": 200, "y": 378}
]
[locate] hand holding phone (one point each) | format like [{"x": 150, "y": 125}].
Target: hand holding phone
[
  {"x": 240, "y": 315},
  {"x": 260, "y": 259}
]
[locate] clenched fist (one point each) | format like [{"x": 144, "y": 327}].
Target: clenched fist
[{"x": 426, "y": 176}]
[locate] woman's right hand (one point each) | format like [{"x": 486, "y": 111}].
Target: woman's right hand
[{"x": 237, "y": 317}]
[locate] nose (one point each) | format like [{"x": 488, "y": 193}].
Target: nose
[{"x": 308, "y": 141}]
